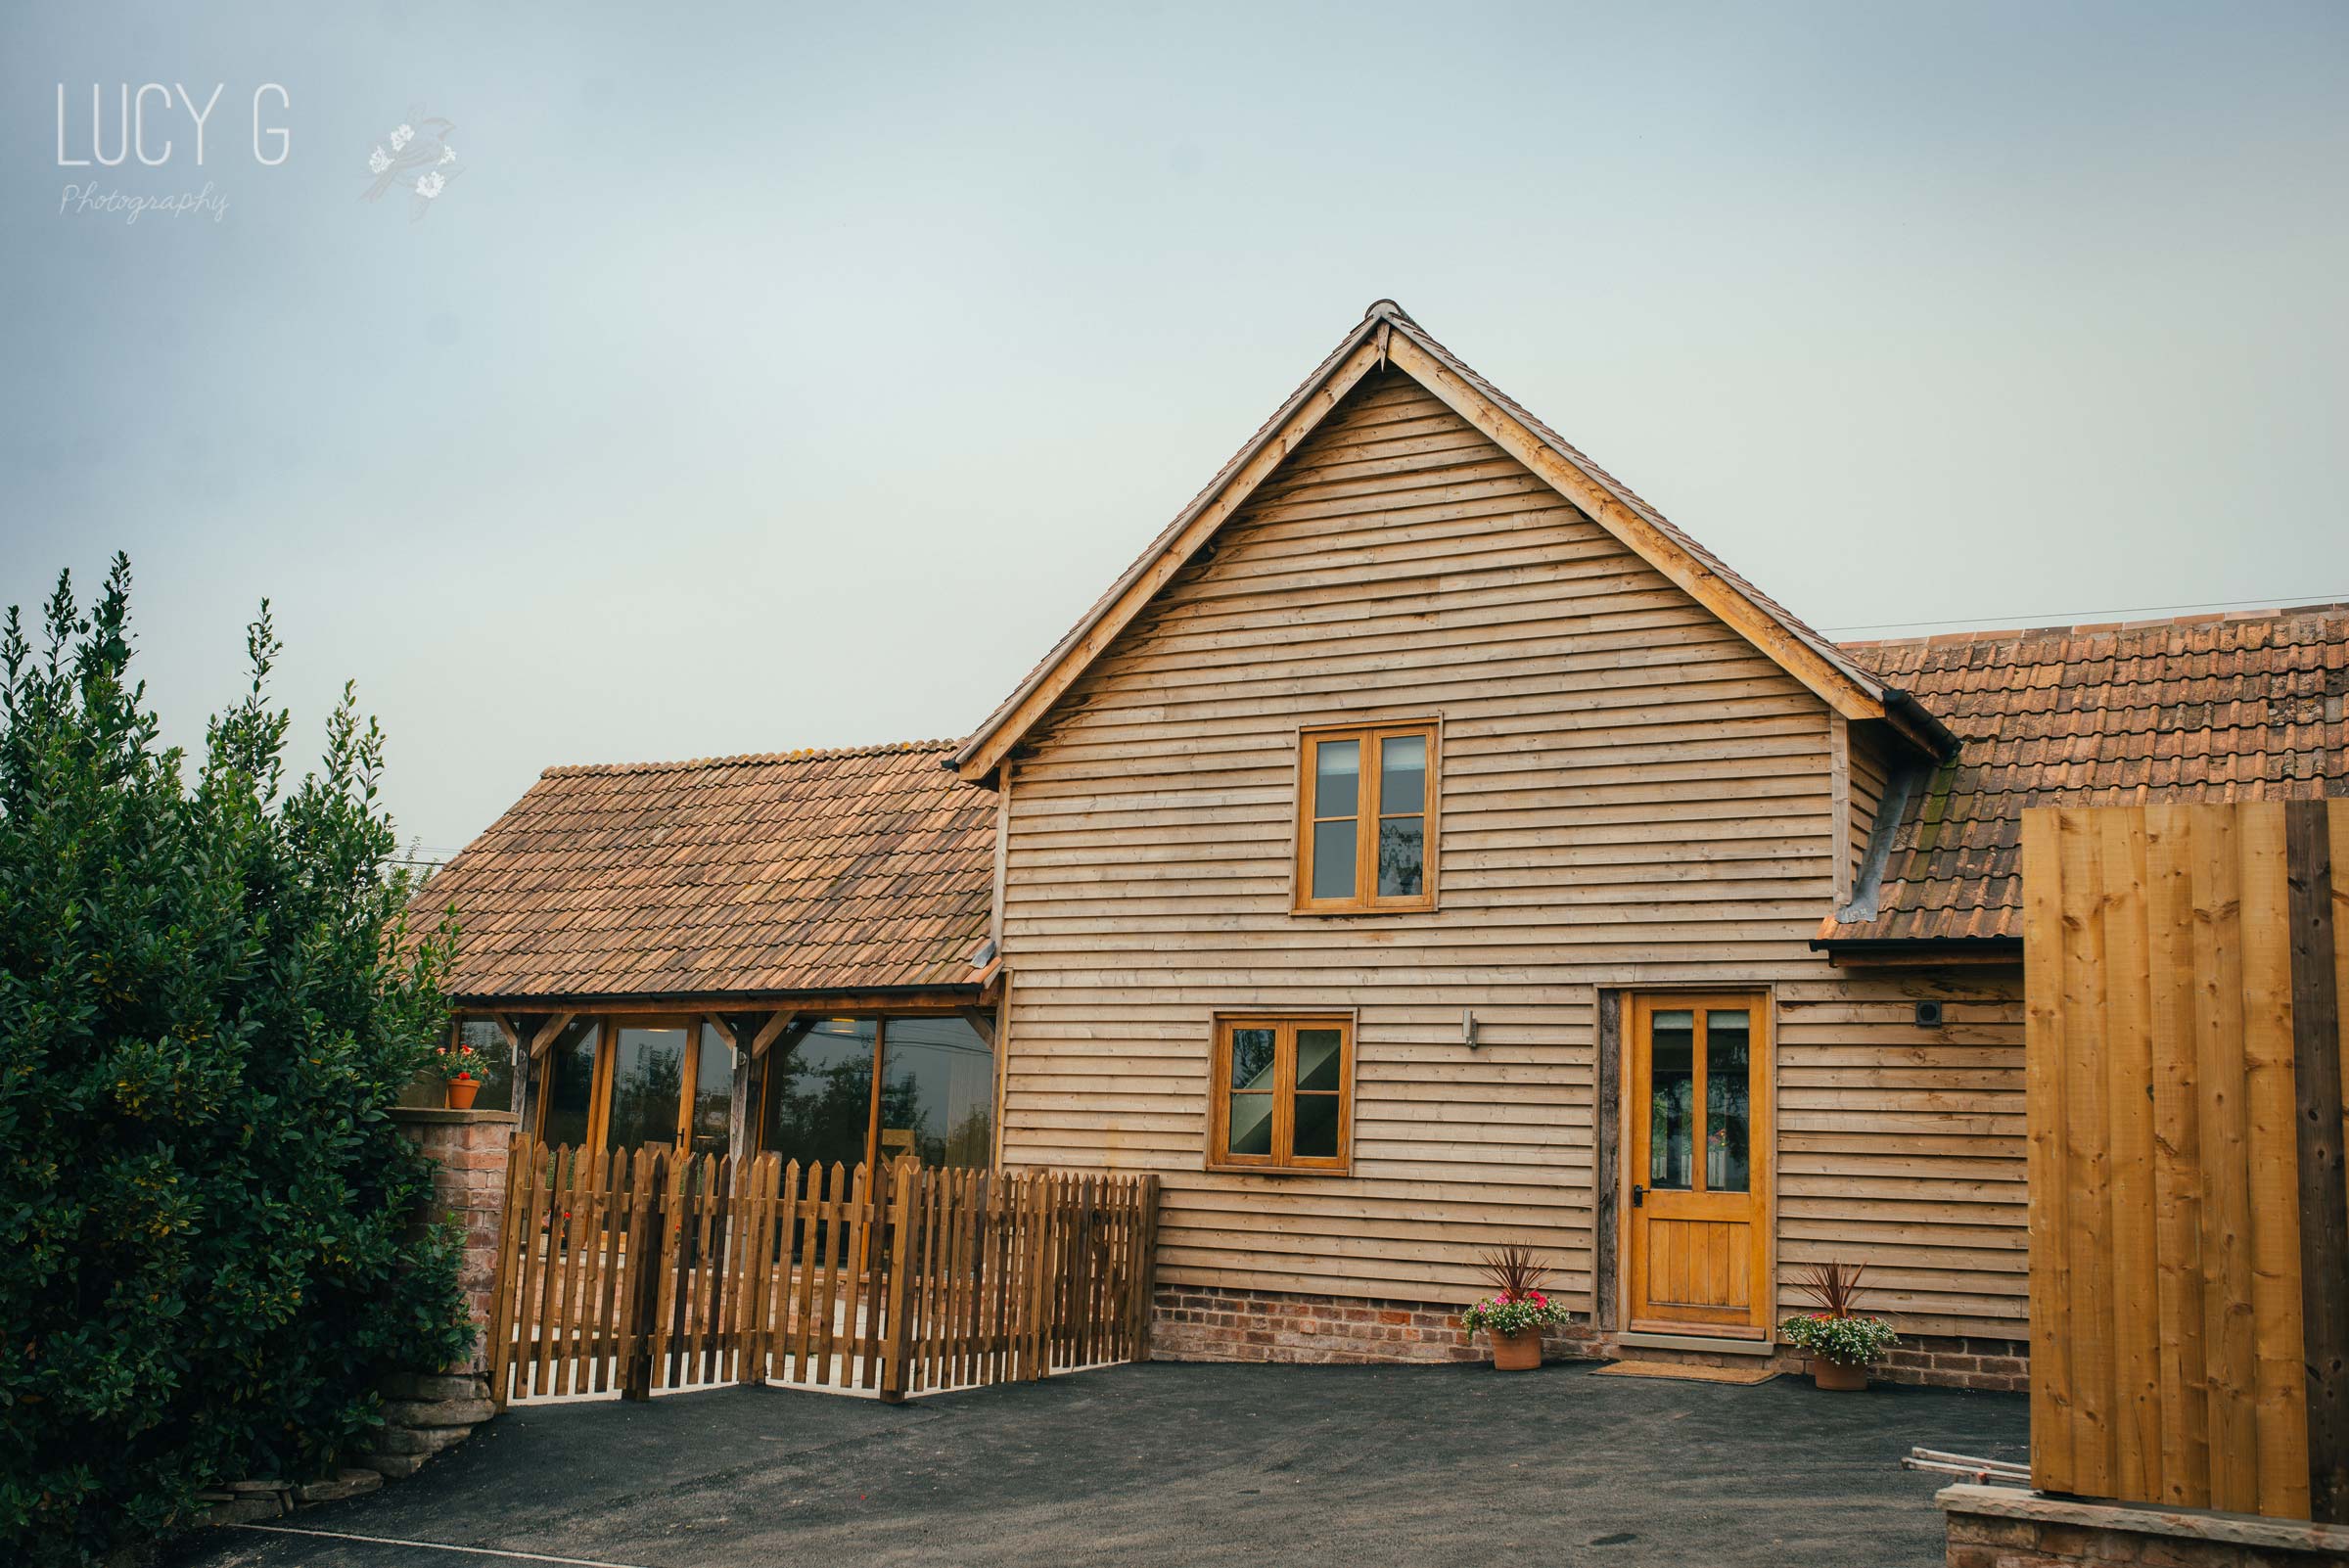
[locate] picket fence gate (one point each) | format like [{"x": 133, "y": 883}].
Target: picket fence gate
[{"x": 758, "y": 1271}]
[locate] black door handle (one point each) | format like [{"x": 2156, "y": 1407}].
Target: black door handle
[{"x": 1638, "y": 1195}]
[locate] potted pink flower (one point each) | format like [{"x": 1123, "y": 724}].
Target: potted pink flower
[
  {"x": 459, "y": 1068},
  {"x": 1513, "y": 1316}
]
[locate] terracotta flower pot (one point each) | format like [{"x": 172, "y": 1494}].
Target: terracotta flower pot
[
  {"x": 461, "y": 1092},
  {"x": 1520, "y": 1351},
  {"x": 1838, "y": 1376}
]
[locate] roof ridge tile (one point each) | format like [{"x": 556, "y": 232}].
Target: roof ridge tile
[{"x": 808, "y": 754}]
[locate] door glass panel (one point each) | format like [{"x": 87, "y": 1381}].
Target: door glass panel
[
  {"x": 1729, "y": 1094},
  {"x": 1403, "y": 775},
  {"x": 1672, "y": 1090},
  {"x": 1317, "y": 1130},
  {"x": 1402, "y": 856},
  {"x": 819, "y": 1098},
  {"x": 648, "y": 1084},
  {"x": 939, "y": 1100},
  {"x": 570, "y": 1084},
  {"x": 1318, "y": 1059},
  {"x": 712, "y": 1095}
]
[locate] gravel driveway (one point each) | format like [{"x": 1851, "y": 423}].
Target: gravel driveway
[{"x": 1174, "y": 1464}]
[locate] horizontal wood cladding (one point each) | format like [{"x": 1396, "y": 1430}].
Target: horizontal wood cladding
[{"x": 1632, "y": 795}]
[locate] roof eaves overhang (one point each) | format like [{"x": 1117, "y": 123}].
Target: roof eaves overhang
[
  {"x": 1919, "y": 951},
  {"x": 978, "y": 991}
]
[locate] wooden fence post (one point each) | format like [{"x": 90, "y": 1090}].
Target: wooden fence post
[
  {"x": 645, "y": 1226},
  {"x": 521, "y": 1164},
  {"x": 1146, "y": 1279},
  {"x": 2324, "y": 1198},
  {"x": 901, "y": 1265}
]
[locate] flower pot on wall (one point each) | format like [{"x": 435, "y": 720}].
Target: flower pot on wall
[
  {"x": 461, "y": 1092},
  {"x": 1840, "y": 1378},
  {"x": 1520, "y": 1351}
]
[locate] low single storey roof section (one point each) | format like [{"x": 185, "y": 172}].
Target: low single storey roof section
[
  {"x": 860, "y": 870},
  {"x": 2202, "y": 707}
]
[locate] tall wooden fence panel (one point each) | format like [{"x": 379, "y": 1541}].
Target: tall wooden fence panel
[
  {"x": 629, "y": 1272},
  {"x": 2190, "y": 1210}
]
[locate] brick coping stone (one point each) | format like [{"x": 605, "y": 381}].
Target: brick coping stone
[
  {"x": 442, "y": 1116},
  {"x": 2142, "y": 1519}
]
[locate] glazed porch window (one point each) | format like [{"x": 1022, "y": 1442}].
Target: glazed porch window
[
  {"x": 1367, "y": 819},
  {"x": 495, "y": 1069},
  {"x": 620, "y": 1086},
  {"x": 828, "y": 1091},
  {"x": 841, "y": 1091},
  {"x": 1284, "y": 1093}
]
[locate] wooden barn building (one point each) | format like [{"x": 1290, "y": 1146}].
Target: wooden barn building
[{"x": 1424, "y": 846}]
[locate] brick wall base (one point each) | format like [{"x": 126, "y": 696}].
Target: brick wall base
[
  {"x": 1213, "y": 1323},
  {"x": 2003, "y": 1364},
  {"x": 1209, "y": 1323},
  {"x": 470, "y": 1188},
  {"x": 2007, "y": 1527}
]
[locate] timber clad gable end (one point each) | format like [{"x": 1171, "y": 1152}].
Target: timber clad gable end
[{"x": 1634, "y": 796}]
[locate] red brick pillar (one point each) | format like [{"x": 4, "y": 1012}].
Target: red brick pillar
[{"x": 470, "y": 1188}]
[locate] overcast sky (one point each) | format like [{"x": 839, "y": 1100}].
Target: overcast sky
[{"x": 771, "y": 377}]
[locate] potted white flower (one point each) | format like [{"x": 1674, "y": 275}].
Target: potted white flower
[{"x": 1842, "y": 1343}]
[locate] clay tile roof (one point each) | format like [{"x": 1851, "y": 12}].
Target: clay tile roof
[
  {"x": 857, "y": 869},
  {"x": 2218, "y": 708}
]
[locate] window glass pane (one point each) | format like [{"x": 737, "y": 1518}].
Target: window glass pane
[
  {"x": 712, "y": 1095},
  {"x": 570, "y": 1067},
  {"x": 1400, "y": 856},
  {"x": 1333, "y": 859},
  {"x": 1729, "y": 1093},
  {"x": 648, "y": 1081},
  {"x": 940, "y": 1103},
  {"x": 1337, "y": 767},
  {"x": 495, "y": 1069},
  {"x": 1403, "y": 775},
  {"x": 819, "y": 1095},
  {"x": 1251, "y": 1124},
  {"x": 1252, "y": 1058},
  {"x": 1317, "y": 1132},
  {"x": 1317, "y": 1058},
  {"x": 1672, "y": 1087}
]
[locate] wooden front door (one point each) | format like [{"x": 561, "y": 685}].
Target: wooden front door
[{"x": 1698, "y": 1114}]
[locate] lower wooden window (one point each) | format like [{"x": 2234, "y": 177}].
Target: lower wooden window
[{"x": 1284, "y": 1093}]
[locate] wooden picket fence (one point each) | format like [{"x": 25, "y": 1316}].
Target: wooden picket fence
[
  {"x": 758, "y": 1270},
  {"x": 2190, "y": 1215}
]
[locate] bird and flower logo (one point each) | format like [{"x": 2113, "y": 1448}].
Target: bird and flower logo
[{"x": 416, "y": 157}]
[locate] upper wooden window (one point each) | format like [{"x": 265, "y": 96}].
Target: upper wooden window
[
  {"x": 1284, "y": 1093},
  {"x": 1366, "y": 818}
]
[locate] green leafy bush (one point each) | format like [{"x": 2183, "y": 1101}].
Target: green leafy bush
[{"x": 208, "y": 1005}]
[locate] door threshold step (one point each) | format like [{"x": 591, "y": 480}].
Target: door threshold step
[
  {"x": 1693, "y": 1341},
  {"x": 1686, "y": 1372}
]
